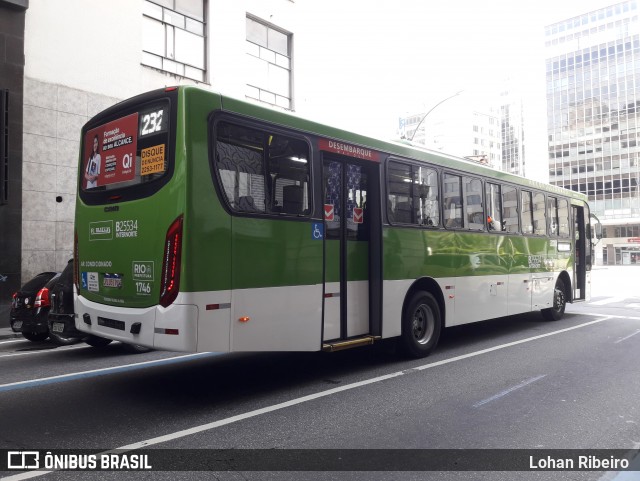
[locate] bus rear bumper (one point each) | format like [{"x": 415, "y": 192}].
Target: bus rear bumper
[{"x": 173, "y": 328}]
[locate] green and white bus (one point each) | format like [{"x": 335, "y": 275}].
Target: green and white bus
[{"x": 205, "y": 223}]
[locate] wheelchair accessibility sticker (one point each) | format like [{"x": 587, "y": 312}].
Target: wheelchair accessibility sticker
[{"x": 317, "y": 230}]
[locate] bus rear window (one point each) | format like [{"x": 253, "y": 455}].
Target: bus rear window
[{"x": 127, "y": 151}]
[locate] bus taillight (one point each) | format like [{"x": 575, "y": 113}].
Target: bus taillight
[{"x": 171, "y": 263}]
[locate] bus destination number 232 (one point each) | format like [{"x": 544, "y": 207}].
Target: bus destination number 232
[{"x": 151, "y": 122}]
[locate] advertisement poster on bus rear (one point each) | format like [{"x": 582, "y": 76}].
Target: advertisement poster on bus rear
[{"x": 110, "y": 152}]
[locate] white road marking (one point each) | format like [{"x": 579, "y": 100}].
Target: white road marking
[
  {"x": 627, "y": 337},
  {"x": 608, "y": 300},
  {"x": 633, "y": 318},
  {"x": 508, "y": 391},
  {"x": 311, "y": 397},
  {"x": 41, "y": 351},
  {"x": 13, "y": 340},
  {"x": 97, "y": 372}
]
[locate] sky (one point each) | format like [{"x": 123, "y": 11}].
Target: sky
[{"x": 404, "y": 56}]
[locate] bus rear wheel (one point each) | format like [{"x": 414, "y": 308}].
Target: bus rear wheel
[
  {"x": 556, "y": 312},
  {"x": 421, "y": 325}
]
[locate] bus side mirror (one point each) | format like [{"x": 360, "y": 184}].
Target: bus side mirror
[{"x": 598, "y": 230}]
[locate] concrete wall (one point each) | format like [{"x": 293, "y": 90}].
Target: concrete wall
[{"x": 53, "y": 117}]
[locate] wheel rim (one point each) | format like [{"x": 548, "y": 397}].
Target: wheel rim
[
  {"x": 423, "y": 324},
  {"x": 559, "y": 300}
]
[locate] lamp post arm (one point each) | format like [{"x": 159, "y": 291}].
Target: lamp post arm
[{"x": 431, "y": 110}]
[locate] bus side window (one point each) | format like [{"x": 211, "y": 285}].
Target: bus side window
[
  {"x": 262, "y": 172},
  {"x": 242, "y": 181},
  {"x": 426, "y": 196},
  {"x": 539, "y": 214},
  {"x": 452, "y": 201},
  {"x": 400, "y": 202},
  {"x": 510, "y": 208},
  {"x": 552, "y": 215},
  {"x": 473, "y": 203},
  {"x": 563, "y": 218},
  {"x": 526, "y": 212},
  {"x": 494, "y": 207}
]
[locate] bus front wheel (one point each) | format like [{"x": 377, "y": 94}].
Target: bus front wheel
[
  {"x": 421, "y": 325},
  {"x": 556, "y": 312}
]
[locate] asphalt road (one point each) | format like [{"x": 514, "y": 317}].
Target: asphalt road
[{"x": 511, "y": 383}]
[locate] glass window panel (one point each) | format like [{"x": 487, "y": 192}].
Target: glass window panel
[
  {"x": 268, "y": 97},
  {"x": 510, "y": 208},
  {"x": 539, "y": 214},
  {"x": 193, "y": 8},
  {"x": 268, "y": 55},
  {"x": 153, "y": 36},
  {"x": 526, "y": 214},
  {"x": 425, "y": 193},
  {"x": 452, "y": 201},
  {"x": 152, "y": 10},
  {"x": 272, "y": 75},
  {"x": 257, "y": 71},
  {"x": 194, "y": 26},
  {"x": 164, "y": 3},
  {"x": 252, "y": 49},
  {"x": 552, "y": 215},
  {"x": 240, "y": 166},
  {"x": 282, "y": 61},
  {"x": 473, "y": 203},
  {"x": 494, "y": 207},
  {"x": 174, "y": 18},
  {"x": 189, "y": 48},
  {"x": 256, "y": 32},
  {"x": 170, "y": 53},
  {"x": 173, "y": 67},
  {"x": 400, "y": 202},
  {"x": 278, "y": 42},
  {"x": 356, "y": 198},
  {"x": 563, "y": 218},
  {"x": 241, "y": 161},
  {"x": 278, "y": 80},
  {"x": 194, "y": 73},
  {"x": 283, "y": 102}
]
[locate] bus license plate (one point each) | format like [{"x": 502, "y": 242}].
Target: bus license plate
[
  {"x": 17, "y": 324},
  {"x": 58, "y": 327}
]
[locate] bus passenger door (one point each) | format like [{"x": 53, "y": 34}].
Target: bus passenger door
[
  {"x": 347, "y": 198},
  {"x": 581, "y": 258}
]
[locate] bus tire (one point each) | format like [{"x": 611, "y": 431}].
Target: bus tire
[
  {"x": 421, "y": 325},
  {"x": 556, "y": 312},
  {"x": 96, "y": 341}
]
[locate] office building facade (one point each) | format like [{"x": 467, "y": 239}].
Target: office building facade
[
  {"x": 458, "y": 128},
  {"x": 593, "y": 120}
]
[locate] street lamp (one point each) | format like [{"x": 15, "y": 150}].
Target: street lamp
[{"x": 431, "y": 110}]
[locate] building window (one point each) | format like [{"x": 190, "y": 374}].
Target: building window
[
  {"x": 269, "y": 61},
  {"x": 173, "y": 37}
]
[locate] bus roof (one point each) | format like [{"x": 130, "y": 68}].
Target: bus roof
[{"x": 395, "y": 148}]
